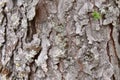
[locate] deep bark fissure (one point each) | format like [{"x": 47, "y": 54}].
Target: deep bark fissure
[
  {"x": 113, "y": 43},
  {"x": 107, "y": 48},
  {"x": 112, "y": 39}
]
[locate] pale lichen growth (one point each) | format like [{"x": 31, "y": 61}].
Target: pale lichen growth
[
  {"x": 31, "y": 55},
  {"x": 87, "y": 7},
  {"x": 42, "y": 58},
  {"x": 58, "y": 53},
  {"x": 111, "y": 15}
]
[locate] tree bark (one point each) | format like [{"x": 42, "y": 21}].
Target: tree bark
[{"x": 59, "y": 40}]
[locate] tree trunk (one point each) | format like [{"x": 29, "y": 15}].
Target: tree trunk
[{"x": 59, "y": 40}]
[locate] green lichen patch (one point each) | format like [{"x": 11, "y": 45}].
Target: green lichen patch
[{"x": 96, "y": 15}]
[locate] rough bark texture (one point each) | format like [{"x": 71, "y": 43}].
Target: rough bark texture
[{"x": 59, "y": 40}]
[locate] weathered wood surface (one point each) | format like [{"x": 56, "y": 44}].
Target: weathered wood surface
[{"x": 59, "y": 40}]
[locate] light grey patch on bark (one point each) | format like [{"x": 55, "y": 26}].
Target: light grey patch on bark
[
  {"x": 115, "y": 57},
  {"x": 39, "y": 74},
  {"x": 10, "y": 4},
  {"x": 20, "y": 60},
  {"x": 56, "y": 53},
  {"x": 2, "y": 33},
  {"x": 115, "y": 36},
  {"x": 52, "y": 7},
  {"x": 79, "y": 26},
  {"x": 63, "y": 7},
  {"x": 87, "y": 7},
  {"x": 15, "y": 18},
  {"x": 46, "y": 29},
  {"x": 20, "y": 2},
  {"x": 94, "y": 35},
  {"x": 56, "y": 73},
  {"x": 111, "y": 15},
  {"x": 34, "y": 43},
  {"x": 118, "y": 2},
  {"x": 8, "y": 49},
  {"x": 99, "y": 3},
  {"x": 78, "y": 29},
  {"x": 24, "y": 23},
  {"x": 1, "y": 17},
  {"x": 108, "y": 72},
  {"x": 72, "y": 74},
  {"x": 34, "y": 2},
  {"x": 90, "y": 60},
  {"x": 79, "y": 4},
  {"x": 96, "y": 25},
  {"x": 41, "y": 61},
  {"x": 31, "y": 9},
  {"x": 30, "y": 13},
  {"x": 81, "y": 51},
  {"x": 30, "y": 56}
]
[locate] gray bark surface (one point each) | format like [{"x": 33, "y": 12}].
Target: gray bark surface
[{"x": 59, "y": 40}]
